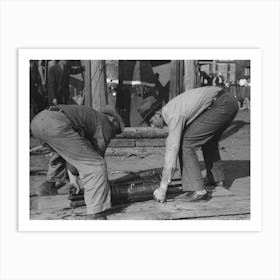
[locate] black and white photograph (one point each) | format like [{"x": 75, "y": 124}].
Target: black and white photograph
[{"x": 140, "y": 139}]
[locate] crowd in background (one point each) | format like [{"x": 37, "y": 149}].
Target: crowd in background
[
  {"x": 241, "y": 89},
  {"x": 50, "y": 83}
]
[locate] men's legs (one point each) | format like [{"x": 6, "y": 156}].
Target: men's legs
[
  {"x": 212, "y": 159},
  {"x": 191, "y": 175},
  {"x": 207, "y": 126},
  {"x": 56, "y": 130},
  {"x": 91, "y": 167}
]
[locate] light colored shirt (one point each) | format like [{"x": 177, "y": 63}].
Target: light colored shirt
[
  {"x": 178, "y": 113},
  {"x": 243, "y": 83}
]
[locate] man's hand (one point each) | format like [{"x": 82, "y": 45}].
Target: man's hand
[
  {"x": 54, "y": 102},
  {"x": 74, "y": 181},
  {"x": 160, "y": 194}
]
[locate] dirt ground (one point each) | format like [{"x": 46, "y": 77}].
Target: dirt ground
[{"x": 235, "y": 153}]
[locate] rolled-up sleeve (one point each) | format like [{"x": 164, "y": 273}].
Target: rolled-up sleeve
[{"x": 173, "y": 140}]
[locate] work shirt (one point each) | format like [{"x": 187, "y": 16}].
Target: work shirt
[
  {"x": 243, "y": 83},
  {"x": 177, "y": 114},
  {"x": 91, "y": 124}
]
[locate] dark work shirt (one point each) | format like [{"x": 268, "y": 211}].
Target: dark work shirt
[{"x": 91, "y": 124}]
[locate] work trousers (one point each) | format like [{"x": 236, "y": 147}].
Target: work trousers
[
  {"x": 56, "y": 130},
  {"x": 205, "y": 132}
]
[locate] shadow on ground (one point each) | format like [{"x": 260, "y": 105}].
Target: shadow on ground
[
  {"x": 233, "y": 128},
  {"x": 234, "y": 169}
]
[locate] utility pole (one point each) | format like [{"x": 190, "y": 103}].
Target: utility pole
[
  {"x": 98, "y": 85},
  {"x": 176, "y": 78},
  {"x": 184, "y": 75},
  {"x": 191, "y": 77}
]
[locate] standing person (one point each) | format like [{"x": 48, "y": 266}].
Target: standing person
[
  {"x": 195, "y": 118},
  {"x": 80, "y": 136},
  {"x": 243, "y": 85},
  {"x": 58, "y": 82},
  {"x": 37, "y": 99},
  {"x": 219, "y": 80},
  {"x": 34, "y": 81}
]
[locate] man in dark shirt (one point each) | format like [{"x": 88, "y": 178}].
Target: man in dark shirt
[
  {"x": 58, "y": 82},
  {"x": 80, "y": 136}
]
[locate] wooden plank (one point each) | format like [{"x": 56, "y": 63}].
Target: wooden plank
[
  {"x": 135, "y": 151},
  {"x": 179, "y": 209},
  {"x": 39, "y": 203},
  {"x": 216, "y": 208}
]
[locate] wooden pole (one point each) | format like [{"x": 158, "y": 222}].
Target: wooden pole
[
  {"x": 87, "y": 85},
  {"x": 123, "y": 96},
  {"x": 98, "y": 84},
  {"x": 176, "y": 78},
  {"x": 191, "y": 77}
]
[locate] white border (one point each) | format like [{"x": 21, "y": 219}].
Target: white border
[{"x": 254, "y": 224}]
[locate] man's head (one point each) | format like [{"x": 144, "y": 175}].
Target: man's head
[
  {"x": 157, "y": 120},
  {"x": 116, "y": 125},
  {"x": 114, "y": 118}
]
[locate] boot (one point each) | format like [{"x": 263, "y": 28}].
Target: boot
[{"x": 47, "y": 188}]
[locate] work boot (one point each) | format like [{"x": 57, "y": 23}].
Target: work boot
[
  {"x": 210, "y": 186},
  {"x": 96, "y": 216},
  {"x": 198, "y": 196},
  {"x": 47, "y": 188},
  {"x": 185, "y": 195}
]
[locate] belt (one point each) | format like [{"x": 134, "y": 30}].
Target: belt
[{"x": 55, "y": 109}]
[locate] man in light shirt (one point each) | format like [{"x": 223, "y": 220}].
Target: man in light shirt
[{"x": 195, "y": 118}]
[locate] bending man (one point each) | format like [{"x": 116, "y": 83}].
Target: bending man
[
  {"x": 195, "y": 118},
  {"x": 80, "y": 136}
]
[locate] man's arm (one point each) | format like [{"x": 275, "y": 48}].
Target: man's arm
[
  {"x": 74, "y": 182},
  {"x": 171, "y": 152}
]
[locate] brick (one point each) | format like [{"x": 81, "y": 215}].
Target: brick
[
  {"x": 122, "y": 143},
  {"x": 150, "y": 142}
]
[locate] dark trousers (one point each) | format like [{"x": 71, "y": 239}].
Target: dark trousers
[{"x": 205, "y": 132}]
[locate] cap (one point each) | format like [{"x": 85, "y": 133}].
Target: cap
[
  {"x": 148, "y": 108},
  {"x": 110, "y": 110}
]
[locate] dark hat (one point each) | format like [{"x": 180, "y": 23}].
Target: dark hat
[
  {"x": 110, "y": 110},
  {"x": 148, "y": 108}
]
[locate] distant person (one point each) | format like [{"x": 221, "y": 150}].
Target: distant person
[
  {"x": 37, "y": 98},
  {"x": 163, "y": 92},
  {"x": 59, "y": 82},
  {"x": 219, "y": 80},
  {"x": 205, "y": 80},
  {"x": 243, "y": 92}
]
